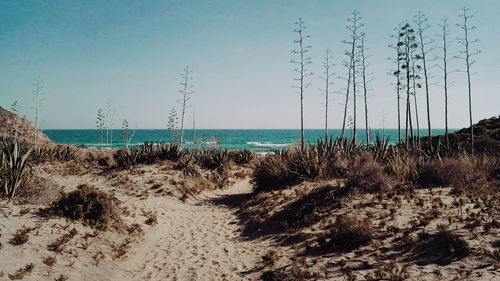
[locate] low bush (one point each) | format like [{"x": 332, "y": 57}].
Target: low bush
[
  {"x": 348, "y": 233},
  {"x": 59, "y": 152},
  {"x": 402, "y": 166},
  {"x": 274, "y": 172},
  {"x": 148, "y": 153},
  {"x": 242, "y": 157},
  {"x": 126, "y": 158},
  {"x": 172, "y": 152},
  {"x": 323, "y": 160},
  {"x": 88, "y": 204},
  {"x": 187, "y": 165},
  {"x": 310, "y": 208},
  {"x": 21, "y": 236},
  {"x": 14, "y": 169},
  {"x": 367, "y": 175},
  {"x": 212, "y": 159},
  {"x": 21, "y": 272},
  {"x": 441, "y": 248},
  {"x": 58, "y": 245},
  {"x": 463, "y": 174}
]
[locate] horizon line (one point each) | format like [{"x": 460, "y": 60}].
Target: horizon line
[{"x": 362, "y": 129}]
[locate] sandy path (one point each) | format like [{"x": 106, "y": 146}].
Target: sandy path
[{"x": 196, "y": 240}]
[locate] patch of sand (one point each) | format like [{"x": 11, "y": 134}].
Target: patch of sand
[{"x": 194, "y": 240}]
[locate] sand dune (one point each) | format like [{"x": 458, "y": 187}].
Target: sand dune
[{"x": 194, "y": 240}]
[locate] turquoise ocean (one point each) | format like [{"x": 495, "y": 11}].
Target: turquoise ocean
[{"x": 255, "y": 139}]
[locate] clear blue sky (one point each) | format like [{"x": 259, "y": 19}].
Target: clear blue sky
[{"x": 132, "y": 53}]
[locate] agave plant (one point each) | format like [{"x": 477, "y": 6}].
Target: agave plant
[
  {"x": 146, "y": 153},
  {"x": 186, "y": 164},
  {"x": 242, "y": 157},
  {"x": 380, "y": 147},
  {"x": 63, "y": 153},
  {"x": 171, "y": 152},
  {"x": 13, "y": 168},
  {"x": 213, "y": 158},
  {"x": 127, "y": 157}
]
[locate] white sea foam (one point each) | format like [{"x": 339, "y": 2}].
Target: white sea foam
[{"x": 267, "y": 144}]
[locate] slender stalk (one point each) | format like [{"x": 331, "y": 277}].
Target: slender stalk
[
  {"x": 365, "y": 88},
  {"x": 445, "y": 77},
  {"x": 185, "y": 97},
  {"x": 421, "y": 22},
  {"x": 302, "y": 71},
  {"x": 327, "y": 75}
]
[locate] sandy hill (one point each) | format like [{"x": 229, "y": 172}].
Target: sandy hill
[{"x": 13, "y": 126}]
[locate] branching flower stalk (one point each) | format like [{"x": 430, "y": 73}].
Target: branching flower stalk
[
  {"x": 101, "y": 118},
  {"x": 186, "y": 92},
  {"x": 364, "y": 66},
  {"x": 444, "y": 68},
  {"x": 415, "y": 68},
  {"x": 302, "y": 62},
  {"x": 397, "y": 73},
  {"x": 328, "y": 74},
  {"x": 37, "y": 99},
  {"x": 353, "y": 26},
  {"x": 407, "y": 43},
  {"x": 468, "y": 56},
  {"x": 421, "y": 26}
]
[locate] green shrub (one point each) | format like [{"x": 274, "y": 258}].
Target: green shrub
[
  {"x": 212, "y": 159},
  {"x": 274, "y": 172},
  {"x": 126, "y": 158},
  {"x": 187, "y": 165},
  {"x": 172, "y": 152},
  {"x": 59, "y": 152},
  {"x": 242, "y": 157},
  {"x": 14, "y": 170}
]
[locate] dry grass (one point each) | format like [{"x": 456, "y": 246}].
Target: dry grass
[
  {"x": 88, "y": 204},
  {"x": 21, "y": 272},
  {"x": 476, "y": 175},
  {"x": 367, "y": 175},
  {"x": 21, "y": 236},
  {"x": 347, "y": 233},
  {"x": 50, "y": 261},
  {"x": 59, "y": 244}
]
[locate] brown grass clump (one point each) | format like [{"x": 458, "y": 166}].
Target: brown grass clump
[
  {"x": 273, "y": 172},
  {"x": 347, "y": 234},
  {"x": 50, "y": 261},
  {"x": 58, "y": 245},
  {"x": 402, "y": 166},
  {"x": 312, "y": 207},
  {"x": 463, "y": 174},
  {"x": 62, "y": 278},
  {"x": 21, "y": 272},
  {"x": 270, "y": 258},
  {"x": 93, "y": 207},
  {"x": 390, "y": 271},
  {"x": 441, "y": 248},
  {"x": 292, "y": 273},
  {"x": 367, "y": 175},
  {"x": 21, "y": 236},
  {"x": 152, "y": 219}
]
